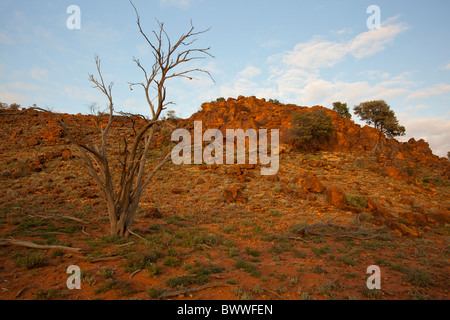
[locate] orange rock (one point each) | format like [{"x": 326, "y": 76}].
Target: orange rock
[
  {"x": 312, "y": 184},
  {"x": 405, "y": 230},
  {"x": 234, "y": 194},
  {"x": 335, "y": 197},
  {"x": 440, "y": 218}
]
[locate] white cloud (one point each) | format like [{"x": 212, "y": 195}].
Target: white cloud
[
  {"x": 434, "y": 130},
  {"x": 39, "y": 74},
  {"x": 8, "y": 96},
  {"x": 373, "y": 41},
  {"x": 177, "y": 3},
  {"x": 417, "y": 107},
  {"x": 374, "y": 75},
  {"x": 5, "y": 39},
  {"x": 440, "y": 88},
  {"x": 446, "y": 67},
  {"x": 83, "y": 93},
  {"x": 250, "y": 72},
  {"x": 318, "y": 53}
]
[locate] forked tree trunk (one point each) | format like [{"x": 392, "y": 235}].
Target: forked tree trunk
[{"x": 122, "y": 219}]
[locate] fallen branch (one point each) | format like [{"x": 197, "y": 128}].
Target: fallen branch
[
  {"x": 337, "y": 235},
  {"x": 20, "y": 292},
  {"x": 8, "y": 242},
  {"x": 275, "y": 293},
  {"x": 297, "y": 239},
  {"x": 181, "y": 292},
  {"x": 136, "y": 235},
  {"x": 61, "y": 217},
  {"x": 84, "y": 232},
  {"x": 134, "y": 273},
  {"x": 106, "y": 259}
]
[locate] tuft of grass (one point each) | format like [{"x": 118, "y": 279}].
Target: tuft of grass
[
  {"x": 141, "y": 260},
  {"x": 186, "y": 281},
  {"x": 420, "y": 277},
  {"x": 356, "y": 200},
  {"x": 171, "y": 262},
  {"x": 106, "y": 273},
  {"x": 247, "y": 267},
  {"x": 206, "y": 270},
  {"x": 155, "y": 293},
  {"x": 318, "y": 269},
  {"x": 115, "y": 284},
  {"x": 211, "y": 240},
  {"x": 400, "y": 268},
  {"x": 241, "y": 294},
  {"x": 347, "y": 260},
  {"x": 329, "y": 288},
  {"x": 322, "y": 250},
  {"x": 31, "y": 260},
  {"x": 47, "y": 294},
  {"x": 371, "y": 293},
  {"x": 252, "y": 252}
]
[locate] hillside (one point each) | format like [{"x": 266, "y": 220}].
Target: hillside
[{"x": 309, "y": 232}]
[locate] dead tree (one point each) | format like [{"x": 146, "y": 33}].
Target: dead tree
[{"x": 122, "y": 190}]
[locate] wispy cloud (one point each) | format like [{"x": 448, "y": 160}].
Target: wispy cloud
[
  {"x": 5, "y": 39},
  {"x": 177, "y": 3},
  {"x": 319, "y": 53},
  {"x": 434, "y": 130},
  {"x": 39, "y": 74},
  {"x": 438, "y": 89},
  {"x": 417, "y": 107},
  {"x": 250, "y": 72},
  {"x": 446, "y": 67}
]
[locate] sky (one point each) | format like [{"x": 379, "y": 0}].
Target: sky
[{"x": 304, "y": 52}]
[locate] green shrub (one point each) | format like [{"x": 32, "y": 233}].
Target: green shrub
[
  {"x": 274, "y": 101},
  {"x": 357, "y": 201},
  {"x": 31, "y": 260},
  {"x": 171, "y": 262},
  {"x": 187, "y": 280},
  {"x": 247, "y": 267},
  {"x": 311, "y": 129},
  {"x": 141, "y": 260},
  {"x": 155, "y": 293},
  {"x": 420, "y": 277}
]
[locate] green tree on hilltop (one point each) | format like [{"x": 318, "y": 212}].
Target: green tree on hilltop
[
  {"x": 342, "y": 109},
  {"x": 379, "y": 114}
]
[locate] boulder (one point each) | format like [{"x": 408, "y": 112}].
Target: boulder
[
  {"x": 234, "y": 194},
  {"x": 336, "y": 197},
  {"x": 312, "y": 184}
]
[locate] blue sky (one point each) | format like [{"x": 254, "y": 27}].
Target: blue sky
[{"x": 302, "y": 52}]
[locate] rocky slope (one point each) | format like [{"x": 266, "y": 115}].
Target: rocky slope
[{"x": 250, "y": 112}]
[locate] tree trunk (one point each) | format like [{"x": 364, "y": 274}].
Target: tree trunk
[{"x": 122, "y": 221}]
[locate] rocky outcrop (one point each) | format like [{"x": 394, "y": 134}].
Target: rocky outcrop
[{"x": 399, "y": 159}]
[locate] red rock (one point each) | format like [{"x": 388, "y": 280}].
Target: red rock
[
  {"x": 153, "y": 213},
  {"x": 312, "y": 184},
  {"x": 177, "y": 191},
  {"x": 405, "y": 230},
  {"x": 273, "y": 178},
  {"x": 415, "y": 219},
  {"x": 336, "y": 197},
  {"x": 52, "y": 133},
  {"x": 440, "y": 218},
  {"x": 234, "y": 194},
  {"x": 66, "y": 155}
]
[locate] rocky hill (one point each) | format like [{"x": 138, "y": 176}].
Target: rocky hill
[
  {"x": 308, "y": 232},
  {"x": 400, "y": 160}
]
